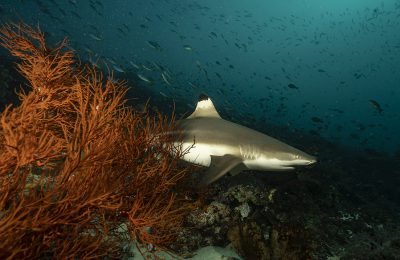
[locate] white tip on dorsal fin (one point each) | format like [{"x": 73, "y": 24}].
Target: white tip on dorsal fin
[{"x": 204, "y": 108}]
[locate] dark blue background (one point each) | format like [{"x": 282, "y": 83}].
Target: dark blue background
[{"x": 338, "y": 54}]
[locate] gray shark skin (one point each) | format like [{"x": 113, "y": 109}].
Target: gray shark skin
[{"x": 224, "y": 146}]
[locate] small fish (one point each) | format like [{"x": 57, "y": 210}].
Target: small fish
[
  {"x": 154, "y": 45},
  {"x": 121, "y": 31},
  {"x": 163, "y": 94},
  {"x": 76, "y": 14},
  {"x": 88, "y": 50},
  {"x": 112, "y": 61},
  {"x": 376, "y": 106},
  {"x": 156, "y": 65},
  {"x": 95, "y": 37},
  {"x": 93, "y": 7},
  {"x": 316, "y": 119},
  {"x": 336, "y": 110},
  {"x": 140, "y": 76},
  {"x": 164, "y": 77},
  {"x": 292, "y": 86},
  {"x": 192, "y": 85},
  {"x": 72, "y": 2},
  {"x": 321, "y": 70},
  {"x": 167, "y": 73},
  {"x": 358, "y": 75},
  {"x": 134, "y": 65},
  {"x": 126, "y": 27},
  {"x": 99, "y": 3},
  {"x": 187, "y": 47},
  {"x": 118, "y": 68},
  {"x": 147, "y": 68}
]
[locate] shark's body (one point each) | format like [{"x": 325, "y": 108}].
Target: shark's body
[{"x": 228, "y": 147}]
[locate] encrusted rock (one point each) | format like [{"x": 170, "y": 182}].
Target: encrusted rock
[
  {"x": 244, "y": 210},
  {"x": 214, "y": 213}
]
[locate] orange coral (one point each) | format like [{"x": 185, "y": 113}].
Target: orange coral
[{"x": 75, "y": 162}]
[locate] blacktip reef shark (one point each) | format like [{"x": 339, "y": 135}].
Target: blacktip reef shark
[{"x": 224, "y": 146}]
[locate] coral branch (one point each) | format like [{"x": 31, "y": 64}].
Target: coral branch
[{"x": 75, "y": 162}]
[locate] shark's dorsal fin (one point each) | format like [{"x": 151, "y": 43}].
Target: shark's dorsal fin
[{"x": 204, "y": 108}]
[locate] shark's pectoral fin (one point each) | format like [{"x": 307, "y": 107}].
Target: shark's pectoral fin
[
  {"x": 238, "y": 169},
  {"x": 220, "y": 165}
]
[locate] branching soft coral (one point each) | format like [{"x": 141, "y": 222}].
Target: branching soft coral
[{"x": 75, "y": 162}]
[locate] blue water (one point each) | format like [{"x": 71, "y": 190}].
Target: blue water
[{"x": 338, "y": 54}]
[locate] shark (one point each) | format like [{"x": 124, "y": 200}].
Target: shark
[{"x": 223, "y": 146}]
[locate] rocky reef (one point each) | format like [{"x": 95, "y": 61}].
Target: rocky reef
[{"x": 346, "y": 207}]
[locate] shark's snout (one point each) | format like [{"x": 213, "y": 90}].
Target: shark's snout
[
  {"x": 302, "y": 158},
  {"x": 308, "y": 160},
  {"x": 312, "y": 160}
]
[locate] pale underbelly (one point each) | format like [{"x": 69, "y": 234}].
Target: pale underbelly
[{"x": 201, "y": 153}]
